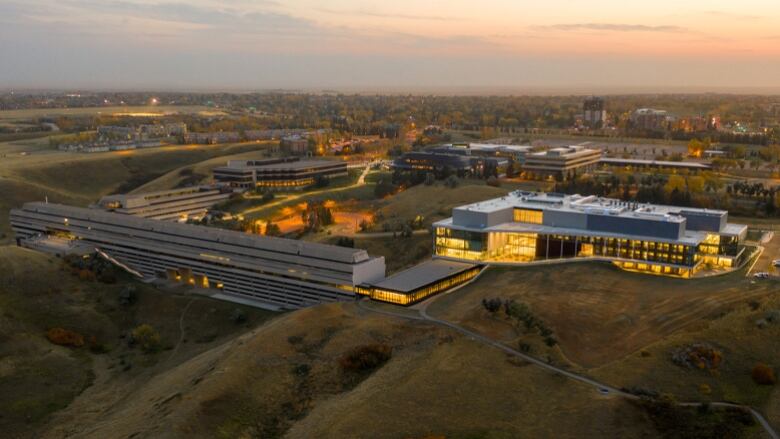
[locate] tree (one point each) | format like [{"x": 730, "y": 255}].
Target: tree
[
  {"x": 695, "y": 148},
  {"x": 147, "y": 338},
  {"x": 675, "y": 182},
  {"x": 763, "y": 374},
  {"x": 272, "y": 229}
]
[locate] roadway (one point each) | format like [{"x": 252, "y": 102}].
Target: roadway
[
  {"x": 360, "y": 182},
  {"x": 602, "y": 388}
]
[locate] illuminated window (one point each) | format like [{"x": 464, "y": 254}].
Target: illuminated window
[{"x": 528, "y": 216}]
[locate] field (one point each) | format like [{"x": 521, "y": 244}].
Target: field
[
  {"x": 38, "y": 378},
  {"x": 14, "y": 115},
  {"x": 623, "y": 327}
]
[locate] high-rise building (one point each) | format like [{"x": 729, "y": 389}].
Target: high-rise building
[{"x": 594, "y": 111}]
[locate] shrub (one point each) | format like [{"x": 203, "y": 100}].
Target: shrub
[
  {"x": 86, "y": 275},
  {"x": 493, "y": 181},
  {"x": 763, "y": 374},
  {"x": 698, "y": 356},
  {"x": 294, "y": 339},
  {"x": 147, "y": 338},
  {"x": 365, "y": 358},
  {"x": 238, "y": 316},
  {"x": 492, "y": 305},
  {"x": 65, "y": 337},
  {"x": 127, "y": 296}
]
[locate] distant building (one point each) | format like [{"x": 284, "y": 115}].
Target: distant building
[
  {"x": 649, "y": 119},
  {"x": 212, "y": 138},
  {"x": 594, "y": 111},
  {"x": 272, "y": 134},
  {"x": 295, "y": 145},
  {"x": 438, "y": 162},
  {"x": 176, "y": 204},
  {"x": 655, "y": 164},
  {"x": 288, "y": 173},
  {"x": 515, "y": 152},
  {"x": 561, "y": 163}
]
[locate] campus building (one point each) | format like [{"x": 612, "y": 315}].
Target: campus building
[
  {"x": 271, "y": 272},
  {"x": 594, "y": 111},
  {"x": 561, "y": 163},
  {"x": 515, "y": 152},
  {"x": 654, "y": 164},
  {"x": 176, "y": 204},
  {"x": 420, "y": 282},
  {"x": 289, "y": 173},
  {"x": 436, "y": 161},
  {"x": 524, "y": 227}
]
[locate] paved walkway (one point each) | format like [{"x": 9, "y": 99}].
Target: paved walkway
[{"x": 360, "y": 182}]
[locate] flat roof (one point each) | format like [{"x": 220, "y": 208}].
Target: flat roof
[
  {"x": 289, "y": 165},
  {"x": 691, "y": 237},
  {"x": 181, "y": 232},
  {"x": 590, "y": 204},
  {"x": 659, "y": 163},
  {"x": 421, "y": 275}
]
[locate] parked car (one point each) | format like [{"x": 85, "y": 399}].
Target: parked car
[
  {"x": 776, "y": 262},
  {"x": 761, "y": 275}
]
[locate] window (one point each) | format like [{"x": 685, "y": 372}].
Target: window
[{"x": 528, "y": 216}]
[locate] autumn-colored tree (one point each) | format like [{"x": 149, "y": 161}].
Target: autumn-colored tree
[
  {"x": 65, "y": 337},
  {"x": 763, "y": 374},
  {"x": 147, "y": 338}
]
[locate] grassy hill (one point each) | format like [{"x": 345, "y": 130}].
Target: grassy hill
[
  {"x": 38, "y": 378},
  {"x": 285, "y": 379},
  {"x": 81, "y": 179},
  {"x": 624, "y": 328},
  {"x": 295, "y": 375}
]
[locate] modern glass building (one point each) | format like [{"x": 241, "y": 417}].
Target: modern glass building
[{"x": 524, "y": 227}]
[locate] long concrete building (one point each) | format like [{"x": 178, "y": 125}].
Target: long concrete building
[
  {"x": 524, "y": 227},
  {"x": 271, "y": 272},
  {"x": 174, "y": 204}
]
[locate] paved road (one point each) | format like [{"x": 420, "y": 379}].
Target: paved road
[
  {"x": 601, "y": 387},
  {"x": 360, "y": 182}
]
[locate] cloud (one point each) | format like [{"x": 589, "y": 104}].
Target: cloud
[
  {"x": 374, "y": 14},
  {"x": 613, "y": 27}
]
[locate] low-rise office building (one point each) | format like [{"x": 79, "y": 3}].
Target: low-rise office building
[
  {"x": 294, "y": 145},
  {"x": 288, "y": 173},
  {"x": 271, "y": 272},
  {"x": 515, "y": 152},
  {"x": 561, "y": 163},
  {"x": 176, "y": 204},
  {"x": 524, "y": 227},
  {"x": 420, "y": 282},
  {"x": 435, "y": 161},
  {"x": 654, "y": 164}
]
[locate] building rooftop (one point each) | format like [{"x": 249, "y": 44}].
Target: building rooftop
[
  {"x": 565, "y": 152},
  {"x": 587, "y": 204},
  {"x": 422, "y": 275},
  {"x": 188, "y": 232},
  {"x": 287, "y": 165},
  {"x": 658, "y": 163}
]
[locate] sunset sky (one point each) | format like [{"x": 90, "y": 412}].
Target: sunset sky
[{"x": 244, "y": 44}]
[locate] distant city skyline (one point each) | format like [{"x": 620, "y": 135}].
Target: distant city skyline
[{"x": 499, "y": 45}]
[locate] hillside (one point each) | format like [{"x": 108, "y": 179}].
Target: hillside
[
  {"x": 38, "y": 378},
  {"x": 82, "y": 179},
  {"x": 284, "y": 379},
  {"x": 624, "y": 328}
]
